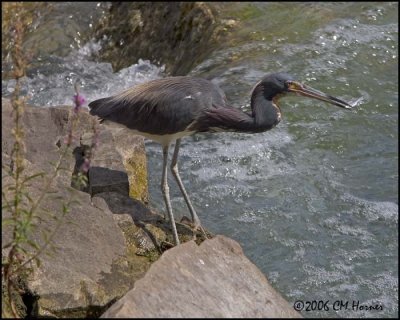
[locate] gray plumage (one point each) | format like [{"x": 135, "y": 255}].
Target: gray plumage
[{"x": 162, "y": 106}]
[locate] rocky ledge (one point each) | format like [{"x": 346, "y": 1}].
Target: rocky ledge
[
  {"x": 177, "y": 34},
  {"x": 213, "y": 280},
  {"x": 111, "y": 238}
]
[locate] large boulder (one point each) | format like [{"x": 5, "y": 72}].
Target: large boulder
[{"x": 213, "y": 280}]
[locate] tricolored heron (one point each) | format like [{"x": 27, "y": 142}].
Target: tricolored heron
[{"x": 165, "y": 110}]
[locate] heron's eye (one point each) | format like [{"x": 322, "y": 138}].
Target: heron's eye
[{"x": 287, "y": 84}]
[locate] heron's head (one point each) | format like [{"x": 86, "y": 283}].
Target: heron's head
[{"x": 275, "y": 85}]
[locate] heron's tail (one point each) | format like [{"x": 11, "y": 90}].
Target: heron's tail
[{"x": 102, "y": 108}]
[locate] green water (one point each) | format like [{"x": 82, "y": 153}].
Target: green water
[{"x": 313, "y": 202}]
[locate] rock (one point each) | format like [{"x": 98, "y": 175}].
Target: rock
[
  {"x": 42, "y": 132},
  {"x": 121, "y": 204},
  {"x": 119, "y": 163},
  {"x": 107, "y": 172},
  {"x": 89, "y": 242},
  {"x": 213, "y": 280},
  {"x": 107, "y": 180},
  {"x": 132, "y": 151},
  {"x": 93, "y": 264},
  {"x": 177, "y": 34}
]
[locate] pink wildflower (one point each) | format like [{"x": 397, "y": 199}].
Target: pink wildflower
[
  {"x": 79, "y": 100},
  {"x": 85, "y": 165}
]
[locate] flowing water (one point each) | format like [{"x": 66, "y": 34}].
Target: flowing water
[{"x": 314, "y": 202}]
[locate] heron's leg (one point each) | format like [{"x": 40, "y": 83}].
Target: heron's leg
[
  {"x": 175, "y": 172},
  {"x": 165, "y": 192}
]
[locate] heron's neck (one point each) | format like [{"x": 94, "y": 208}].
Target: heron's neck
[
  {"x": 265, "y": 112},
  {"x": 265, "y": 115}
]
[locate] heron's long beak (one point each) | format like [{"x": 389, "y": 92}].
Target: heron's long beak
[{"x": 307, "y": 91}]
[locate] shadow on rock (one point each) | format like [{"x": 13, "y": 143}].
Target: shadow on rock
[{"x": 143, "y": 226}]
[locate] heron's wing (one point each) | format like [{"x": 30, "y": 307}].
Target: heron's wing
[{"x": 161, "y": 106}]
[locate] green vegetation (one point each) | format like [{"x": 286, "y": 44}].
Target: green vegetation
[{"x": 21, "y": 211}]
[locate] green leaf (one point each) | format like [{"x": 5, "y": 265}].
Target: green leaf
[
  {"x": 21, "y": 249},
  {"x": 26, "y": 195},
  {"x": 40, "y": 174},
  {"x": 46, "y": 229},
  {"x": 29, "y": 270},
  {"x": 57, "y": 197},
  {"x": 54, "y": 247},
  {"x": 38, "y": 218},
  {"x": 7, "y": 221},
  {"x": 72, "y": 202},
  {"x": 7, "y": 245},
  {"x": 65, "y": 209},
  {"x": 8, "y": 185},
  {"x": 45, "y": 236},
  {"x": 49, "y": 253},
  {"x": 33, "y": 244},
  {"x": 6, "y": 206},
  {"x": 51, "y": 191},
  {"x": 38, "y": 262},
  {"x": 24, "y": 212}
]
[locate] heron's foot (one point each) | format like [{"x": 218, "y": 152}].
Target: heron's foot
[
  {"x": 206, "y": 234},
  {"x": 165, "y": 245},
  {"x": 196, "y": 226}
]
